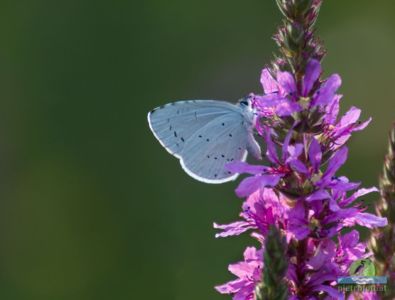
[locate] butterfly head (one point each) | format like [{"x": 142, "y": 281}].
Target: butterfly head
[
  {"x": 245, "y": 102},
  {"x": 246, "y": 105},
  {"x": 247, "y": 110}
]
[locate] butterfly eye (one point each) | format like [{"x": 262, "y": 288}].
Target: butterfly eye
[{"x": 244, "y": 102}]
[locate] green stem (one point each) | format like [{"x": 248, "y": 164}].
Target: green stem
[
  {"x": 273, "y": 286},
  {"x": 382, "y": 239}
]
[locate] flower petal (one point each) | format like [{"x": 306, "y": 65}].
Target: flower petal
[
  {"x": 295, "y": 151},
  {"x": 298, "y": 166},
  {"x": 271, "y": 151},
  {"x": 286, "y": 144},
  {"x": 269, "y": 84},
  {"x": 246, "y": 293},
  {"x": 363, "y": 125},
  {"x": 351, "y": 116},
  {"x": 327, "y": 91},
  {"x": 297, "y": 223},
  {"x": 332, "y": 110},
  {"x": 350, "y": 239},
  {"x": 335, "y": 163},
  {"x": 287, "y": 107},
  {"x": 286, "y": 82},
  {"x": 313, "y": 72},
  {"x": 231, "y": 287},
  {"x": 233, "y": 229},
  {"x": 241, "y": 269},
  {"x": 250, "y": 184},
  {"x": 318, "y": 195},
  {"x": 250, "y": 253},
  {"x": 315, "y": 154},
  {"x": 370, "y": 221},
  {"x": 342, "y": 184},
  {"x": 357, "y": 194}
]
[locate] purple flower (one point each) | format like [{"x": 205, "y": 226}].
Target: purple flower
[
  {"x": 280, "y": 95},
  {"x": 249, "y": 273},
  {"x": 261, "y": 209},
  {"x": 339, "y": 133}
]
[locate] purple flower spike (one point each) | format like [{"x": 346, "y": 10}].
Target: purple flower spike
[{"x": 298, "y": 190}]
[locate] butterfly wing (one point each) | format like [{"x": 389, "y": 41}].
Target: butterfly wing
[
  {"x": 175, "y": 123},
  {"x": 219, "y": 142}
]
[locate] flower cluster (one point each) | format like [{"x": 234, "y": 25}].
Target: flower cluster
[{"x": 298, "y": 190}]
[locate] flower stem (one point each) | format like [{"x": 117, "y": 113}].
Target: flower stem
[
  {"x": 382, "y": 239},
  {"x": 273, "y": 286}
]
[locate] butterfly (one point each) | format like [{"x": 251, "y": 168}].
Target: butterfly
[{"x": 205, "y": 135}]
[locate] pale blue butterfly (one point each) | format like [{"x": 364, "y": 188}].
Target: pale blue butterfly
[{"x": 206, "y": 135}]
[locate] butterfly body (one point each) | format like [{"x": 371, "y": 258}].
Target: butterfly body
[{"x": 206, "y": 135}]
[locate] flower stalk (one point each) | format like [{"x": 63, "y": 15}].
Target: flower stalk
[
  {"x": 273, "y": 286},
  {"x": 382, "y": 240}
]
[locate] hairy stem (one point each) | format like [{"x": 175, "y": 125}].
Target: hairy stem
[
  {"x": 382, "y": 239},
  {"x": 273, "y": 286}
]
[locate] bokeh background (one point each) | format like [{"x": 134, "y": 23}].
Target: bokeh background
[{"x": 91, "y": 206}]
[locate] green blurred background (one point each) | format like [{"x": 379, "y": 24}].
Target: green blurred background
[{"x": 91, "y": 206}]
